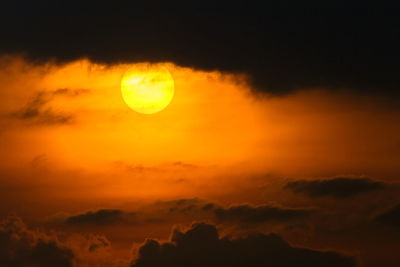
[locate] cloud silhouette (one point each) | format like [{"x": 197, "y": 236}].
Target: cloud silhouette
[
  {"x": 340, "y": 187},
  {"x": 99, "y": 217},
  {"x": 282, "y": 49},
  {"x": 390, "y": 217},
  {"x": 245, "y": 213},
  {"x": 201, "y": 246},
  {"x": 190, "y": 209},
  {"x": 22, "y": 247}
]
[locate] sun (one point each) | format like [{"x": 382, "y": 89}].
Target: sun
[{"x": 147, "y": 88}]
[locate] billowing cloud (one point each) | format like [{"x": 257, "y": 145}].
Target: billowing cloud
[
  {"x": 281, "y": 49},
  {"x": 22, "y": 247},
  {"x": 390, "y": 217},
  {"x": 202, "y": 246},
  {"x": 339, "y": 187}
]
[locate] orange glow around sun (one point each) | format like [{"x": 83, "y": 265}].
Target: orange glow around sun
[
  {"x": 199, "y": 126},
  {"x": 74, "y": 122}
]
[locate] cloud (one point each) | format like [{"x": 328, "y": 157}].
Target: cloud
[
  {"x": 259, "y": 214},
  {"x": 22, "y": 247},
  {"x": 390, "y": 217},
  {"x": 281, "y": 49},
  {"x": 196, "y": 208},
  {"x": 100, "y": 217},
  {"x": 38, "y": 112},
  {"x": 183, "y": 210},
  {"x": 340, "y": 187},
  {"x": 201, "y": 246}
]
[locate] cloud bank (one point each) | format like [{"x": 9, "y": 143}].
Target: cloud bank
[
  {"x": 280, "y": 49},
  {"x": 189, "y": 209},
  {"x": 202, "y": 246}
]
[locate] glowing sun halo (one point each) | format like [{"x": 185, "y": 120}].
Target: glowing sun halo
[{"x": 147, "y": 88}]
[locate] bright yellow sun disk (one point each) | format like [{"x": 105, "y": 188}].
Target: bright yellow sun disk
[{"x": 147, "y": 88}]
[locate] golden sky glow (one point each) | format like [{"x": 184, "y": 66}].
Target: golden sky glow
[{"x": 73, "y": 119}]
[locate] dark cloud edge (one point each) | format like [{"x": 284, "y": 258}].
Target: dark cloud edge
[
  {"x": 201, "y": 245},
  {"x": 242, "y": 214},
  {"x": 282, "y": 50}
]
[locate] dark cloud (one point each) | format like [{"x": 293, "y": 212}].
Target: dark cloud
[
  {"x": 340, "y": 187},
  {"x": 201, "y": 246},
  {"x": 390, "y": 217},
  {"x": 37, "y": 111},
  {"x": 158, "y": 212},
  {"x": 259, "y": 214},
  {"x": 281, "y": 49},
  {"x": 100, "y": 217},
  {"x": 187, "y": 210},
  {"x": 196, "y": 208},
  {"x": 22, "y": 247}
]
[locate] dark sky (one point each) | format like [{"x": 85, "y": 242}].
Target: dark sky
[{"x": 282, "y": 49}]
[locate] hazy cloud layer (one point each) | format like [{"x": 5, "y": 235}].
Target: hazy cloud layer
[
  {"x": 201, "y": 246},
  {"x": 281, "y": 49},
  {"x": 340, "y": 187}
]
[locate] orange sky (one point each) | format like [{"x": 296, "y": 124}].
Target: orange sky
[{"x": 84, "y": 137}]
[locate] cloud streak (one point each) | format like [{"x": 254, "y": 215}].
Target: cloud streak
[
  {"x": 340, "y": 187},
  {"x": 38, "y": 111},
  {"x": 259, "y": 214},
  {"x": 183, "y": 210},
  {"x": 100, "y": 217}
]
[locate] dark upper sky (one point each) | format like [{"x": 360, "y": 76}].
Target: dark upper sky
[{"x": 282, "y": 49}]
